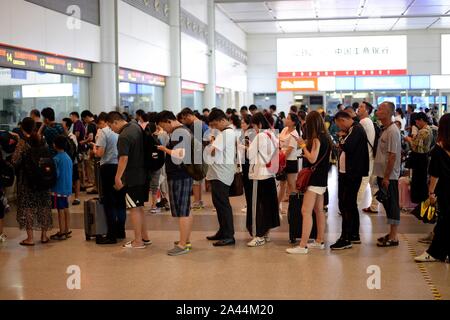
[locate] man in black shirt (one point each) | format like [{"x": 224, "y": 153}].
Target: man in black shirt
[
  {"x": 132, "y": 175},
  {"x": 91, "y": 131},
  {"x": 353, "y": 165}
]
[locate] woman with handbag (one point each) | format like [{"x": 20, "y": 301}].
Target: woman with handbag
[
  {"x": 314, "y": 176},
  {"x": 288, "y": 143},
  {"x": 264, "y": 213},
  {"x": 439, "y": 191}
]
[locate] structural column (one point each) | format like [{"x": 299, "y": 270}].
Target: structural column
[
  {"x": 104, "y": 85},
  {"x": 173, "y": 85},
  {"x": 210, "y": 92}
]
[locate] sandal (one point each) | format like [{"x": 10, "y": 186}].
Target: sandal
[
  {"x": 369, "y": 210},
  {"x": 388, "y": 243},
  {"x": 23, "y": 243}
]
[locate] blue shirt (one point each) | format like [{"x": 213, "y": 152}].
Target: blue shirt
[
  {"x": 107, "y": 139},
  {"x": 64, "y": 170}
]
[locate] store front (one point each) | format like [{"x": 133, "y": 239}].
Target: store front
[
  {"x": 31, "y": 80},
  {"x": 139, "y": 90},
  {"x": 193, "y": 95}
]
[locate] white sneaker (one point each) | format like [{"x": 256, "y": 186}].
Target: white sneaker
[
  {"x": 297, "y": 250},
  {"x": 2, "y": 237},
  {"x": 267, "y": 239},
  {"x": 316, "y": 245},
  {"x": 425, "y": 257},
  {"x": 256, "y": 242},
  {"x": 244, "y": 210},
  {"x": 129, "y": 245}
]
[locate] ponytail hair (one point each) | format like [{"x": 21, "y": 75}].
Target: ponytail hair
[{"x": 297, "y": 122}]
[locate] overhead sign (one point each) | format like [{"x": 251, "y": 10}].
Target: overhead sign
[
  {"x": 382, "y": 83},
  {"x": 29, "y": 60},
  {"x": 141, "y": 77},
  {"x": 47, "y": 90},
  {"x": 193, "y": 86},
  {"x": 297, "y": 84},
  {"x": 445, "y": 57},
  {"x": 342, "y": 56}
]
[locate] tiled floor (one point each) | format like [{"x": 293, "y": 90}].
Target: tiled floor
[{"x": 110, "y": 272}]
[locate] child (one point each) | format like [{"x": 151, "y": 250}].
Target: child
[{"x": 63, "y": 188}]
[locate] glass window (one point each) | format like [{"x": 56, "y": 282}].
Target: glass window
[
  {"x": 141, "y": 96},
  {"x": 21, "y": 91},
  {"x": 192, "y": 99}
]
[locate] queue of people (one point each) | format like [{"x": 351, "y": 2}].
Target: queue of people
[{"x": 112, "y": 146}]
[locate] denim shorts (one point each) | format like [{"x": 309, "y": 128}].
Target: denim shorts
[{"x": 391, "y": 204}]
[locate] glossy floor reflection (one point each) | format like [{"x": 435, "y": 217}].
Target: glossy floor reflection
[{"x": 110, "y": 272}]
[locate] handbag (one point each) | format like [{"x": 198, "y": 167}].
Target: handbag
[
  {"x": 277, "y": 156},
  {"x": 426, "y": 212},
  {"x": 304, "y": 176},
  {"x": 237, "y": 187}
]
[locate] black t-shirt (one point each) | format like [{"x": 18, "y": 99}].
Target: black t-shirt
[
  {"x": 319, "y": 177},
  {"x": 175, "y": 170},
  {"x": 131, "y": 144},
  {"x": 91, "y": 128},
  {"x": 440, "y": 168}
]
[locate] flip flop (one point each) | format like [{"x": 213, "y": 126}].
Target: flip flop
[
  {"x": 368, "y": 210},
  {"x": 26, "y": 244}
]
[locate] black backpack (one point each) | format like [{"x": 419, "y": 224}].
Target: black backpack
[
  {"x": 154, "y": 158},
  {"x": 40, "y": 169},
  {"x": 6, "y": 174},
  {"x": 8, "y": 142},
  {"x": 71, "y": 148},
  {"x": 377, "y": 137}
]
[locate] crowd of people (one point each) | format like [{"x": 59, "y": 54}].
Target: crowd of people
[{"x": 107, "y": 154}]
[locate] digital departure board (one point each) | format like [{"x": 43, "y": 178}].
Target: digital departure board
[
  {"x": 29, "y": 60},
  {"x": 141, "y": 77}
]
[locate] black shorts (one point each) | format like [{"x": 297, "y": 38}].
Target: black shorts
[
  {"x": 291, "y": 166},
  {"x": 136, "y": 197},
  {"x": 75, "y": 173}
]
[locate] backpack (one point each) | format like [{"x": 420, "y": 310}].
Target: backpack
[
  {"x": 8, "y": 142},
  {"x": 154, "y": 158},
  {"x": 377, "y": 137},
  {"x": 71, "y": 148},
  {"x": 278, "y": 162},
  {"x": 39, "y": 168},
  {"x": 6, "y": 174},
  {"x": 278, "y": 124},
  {"x": 197, "y": 171}
]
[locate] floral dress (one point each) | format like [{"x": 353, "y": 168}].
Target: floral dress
[{"x": 33, "y": 207}]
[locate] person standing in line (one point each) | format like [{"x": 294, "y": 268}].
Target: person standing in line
[
  {"x": 63, "y": 188},
  {"x": 400, "y": 116},
  {"x": 221, "y": 154},
  {"x": 131, "y": 175},
  {"x": 33, "y": 205},
  {"x": 316, "y": 152},
  {"x": 288, "y": 144},
  {"x": 439, "y": 191},
  {"x": 91, "y": 131},
  {"x": 142, "y": 118},
  {"x": 387, "y": 169},
  {"x": 353, "y": 166},
  {"x": 420, "y": 148},
  {"x": 244, "y": 112},
  {"x": 67, "y": 124},
  {"x": 50, "y": 129},
  {"x": 244, "y": 143},
  {"x": 105, "y": 148},
  {"x": 264, "y": 211},
  {"x": 179, "y": 182},
  {"x": 79, "y": 131},
  {"x": 253, "y": 109},
  {"x": 364, "y": 111},
  {"x": 188, "y": 118},
  {"x": 36, "y": 116}
]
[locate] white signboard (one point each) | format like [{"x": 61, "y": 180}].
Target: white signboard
[
  {"x": 47, "y": 90},
  {"x": 342, "y": 56},
  {"x": 445, "y": 53}
]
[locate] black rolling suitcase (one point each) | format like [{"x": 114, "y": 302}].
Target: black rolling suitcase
[
  {"x": 295, "y": 219},
  {"x": 95, "y": 224}
]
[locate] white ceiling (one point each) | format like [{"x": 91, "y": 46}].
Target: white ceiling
[{"x": 257, "y": 16}]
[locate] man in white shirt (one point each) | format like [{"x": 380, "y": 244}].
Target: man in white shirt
[
  {"x": 220, "y": 156},
  {"x": 364, "y": 111}
]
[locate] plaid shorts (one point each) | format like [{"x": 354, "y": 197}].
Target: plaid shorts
[{"x": 180, "y": 197}]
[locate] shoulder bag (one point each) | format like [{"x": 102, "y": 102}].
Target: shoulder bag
[{"x": 304, "y": 176}]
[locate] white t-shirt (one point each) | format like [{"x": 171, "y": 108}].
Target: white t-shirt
[
  {"x": 222, "y": 166},
  {"x": 260, "y": 153},
  {"x": 402, "y": 121},
  {"x": 287, "y": 140},
  {"x": 369, "y": 128}
]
